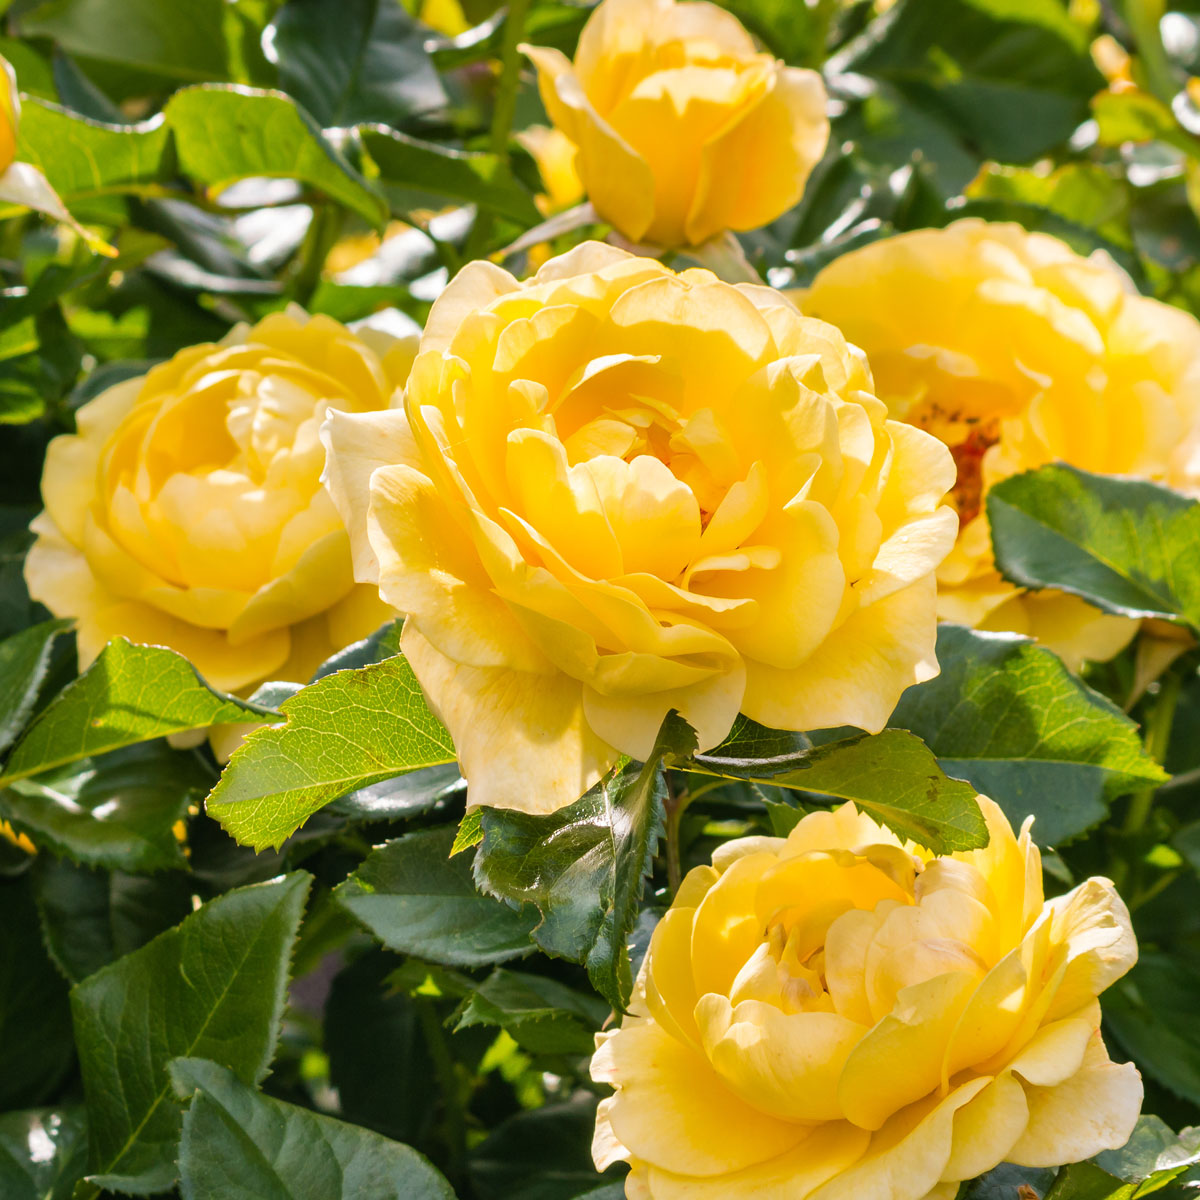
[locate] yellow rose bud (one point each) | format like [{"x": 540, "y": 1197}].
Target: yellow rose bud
[
  {"x": 555, "y": 155},
  {"x": 615, "y": 491},
  {"x": 1017, "y": 352},
  {"x": 837, "y": 1016},
  {"x": 683, "y": 129},
  {"x": 10, "y": 112},
  {"x": 188, "y": 511}
]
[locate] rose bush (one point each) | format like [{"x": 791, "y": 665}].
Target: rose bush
[
  {"x": 614, "y": 491},
  {"x": 837, "y": 1016},
  {"x": 187, "y": 510},
  {"x": 683, "y": 129},
  {"x": 1016, "y": 352}
]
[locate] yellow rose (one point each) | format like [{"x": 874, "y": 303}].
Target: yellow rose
[
  {"x": 555, "y": 156},
  {"x": 1017, "y": 352},
  {"x": 10, "y": 112},
  {"x": 836, "y": 1016},
  {"x": 615, "y": 490},
  {"x": 683, "y": 129},
  {"x": 187, "y": 510}
]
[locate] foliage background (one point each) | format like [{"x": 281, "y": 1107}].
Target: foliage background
[{"x": 345, "y": 154}]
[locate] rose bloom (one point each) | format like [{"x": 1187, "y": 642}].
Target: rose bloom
[
  {"x": 187, "y": 511},
  {"x": 1017, "y": 352},
  {"x": 683, "y": 129},
  {"x": 614, "y": 491},
  {"x": 837, "y": 1016}
]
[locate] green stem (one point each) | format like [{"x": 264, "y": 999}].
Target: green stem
[
  {"x": 503, "y": 110},
  {"x": 676, "y": 806},
  {"x": 1143, "y": 17},
  {"x": 447, "y": 1077},
  {"x": 1158, "y": 738},
  {"x": 322, "y": 234}
]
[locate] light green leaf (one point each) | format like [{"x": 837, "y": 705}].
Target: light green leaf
[
  {"x": 345, "y": 732},
  {"x": 892, "y": 776},
  {"x": 226, "y": 133},
  {"x": 43, "y": 1151},
  {"x": 420, "y": 171},
  {"x": 116, "y": 811},
  {"x": 416, "y": 899},
  {"x": 1127, "y": 546},
  {"x": 584, "y": 866},
  {"x": 213, "y": 986},
  {"x": 238, "y": 1144},
  {"x": 24, "y": 661},
  {"x": 1006, "y": 715},
  {"x": 129, "y": 694},
  {"x": 83, "y": 159}
]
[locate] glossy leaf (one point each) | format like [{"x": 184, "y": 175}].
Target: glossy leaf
[
  {"x": 238, "y": 1144},
  {"x": 214, "y": 986},
  {"x": 584, "y": 866},
  {"x": 24, "y": 662},
  {"x": 418, "y": 900},
  {"x": 347, "y": 731},
  {"x": 1127, "y": 546},
  {"x": 129, "y": 694},
  {"x": 892, "y": 775},
  {"x": 1006, "y": 715}
]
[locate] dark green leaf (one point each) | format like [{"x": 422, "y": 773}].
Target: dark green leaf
[
  {"x": 223, "y": 134},
  {"x": 418, "y": 900},
  {"x": 35, "y": 1020},
  {"x": 84, "y": 159},
  {"x": 1127, "y": 546},
  {"x": 1006, "y": 715},
  {"x": 129, "y": 694},
  {"x": 1005, "y": 1181},
  {"x": 404, "y": 797},
  {"x": 213, "y": 986},
  {"x": 24, "y": 661},
  {"x": 116, "y": 811},
  {"x": 374, "y": 1036},
  {"x": 584, "y": 866},
  {"x": 43, "y": 1152},
  {"x": 355, "y": 61},
  {"x": 892, "y": 775},
  {"x": 424, "y": 171},
  {"x": 542, "y": 1015},
  {"x": 1086, "y": 1181},
  {"x": 240, "y": 1145},
  {"x": 1152, "y": 1013},
  {"x": 91, "y": 918},
  {"x": 345, "y": 732}
]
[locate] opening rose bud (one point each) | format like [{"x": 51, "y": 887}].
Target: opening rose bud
[
  {"x": 1017, "y": 352},
  {"x": 187, "y": 509},
  {"x": 683, "y": 129},
  {"x": 10, "y": 112},
  {"x": 614, "y": 491},
  {"x": 837, "y": 1016}
]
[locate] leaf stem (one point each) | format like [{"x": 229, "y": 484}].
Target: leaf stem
[
  {"x": 1143, "y": 17},
  {"x": 676, "y": 805},
  {"x": 324, "y": 231},
  {"x": 503, "y": 110},
  {"x": 1158, "y": 738},
  {"x": 443, "y": 1065}
]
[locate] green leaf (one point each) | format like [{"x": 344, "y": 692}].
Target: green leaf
[
  {"x": 374, "y": 1035},
  {"x": 1154, "y": 1153},
  {"x": 418, "y": 900},
  {"x": 1151, "y": 1011},
  {"x": 1006, "y": 715},
  {"x": 1004, "y": 1183},
  {"x": 542, "y": 1015},
  {"x": 91, "y": 918},
  {"x": 1127, "y": 546},
  {"x": 35, "y": 1020},
  {"x": 416, "y": 173},
  {"x": 1086, "y": 1181},
  {"x": 116, "y": 811},
  {"x": 182, "y": 40},
  {"x": 238, "y": 1144},
  {"x": 84, "y": 159},
  {"x": 24, "y": 662},
  {"x": 893, "y": 776},
  {"x": 129, "y": 694},
  {"x": 225, "y": 133},
  {"x": 215, "y": 986},
  {"x": 584, "y": 865},
  {"x": 345, "y": 732},
  {"x": 355, "y": 61},
  {"x": 43, "y": 1152}
]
